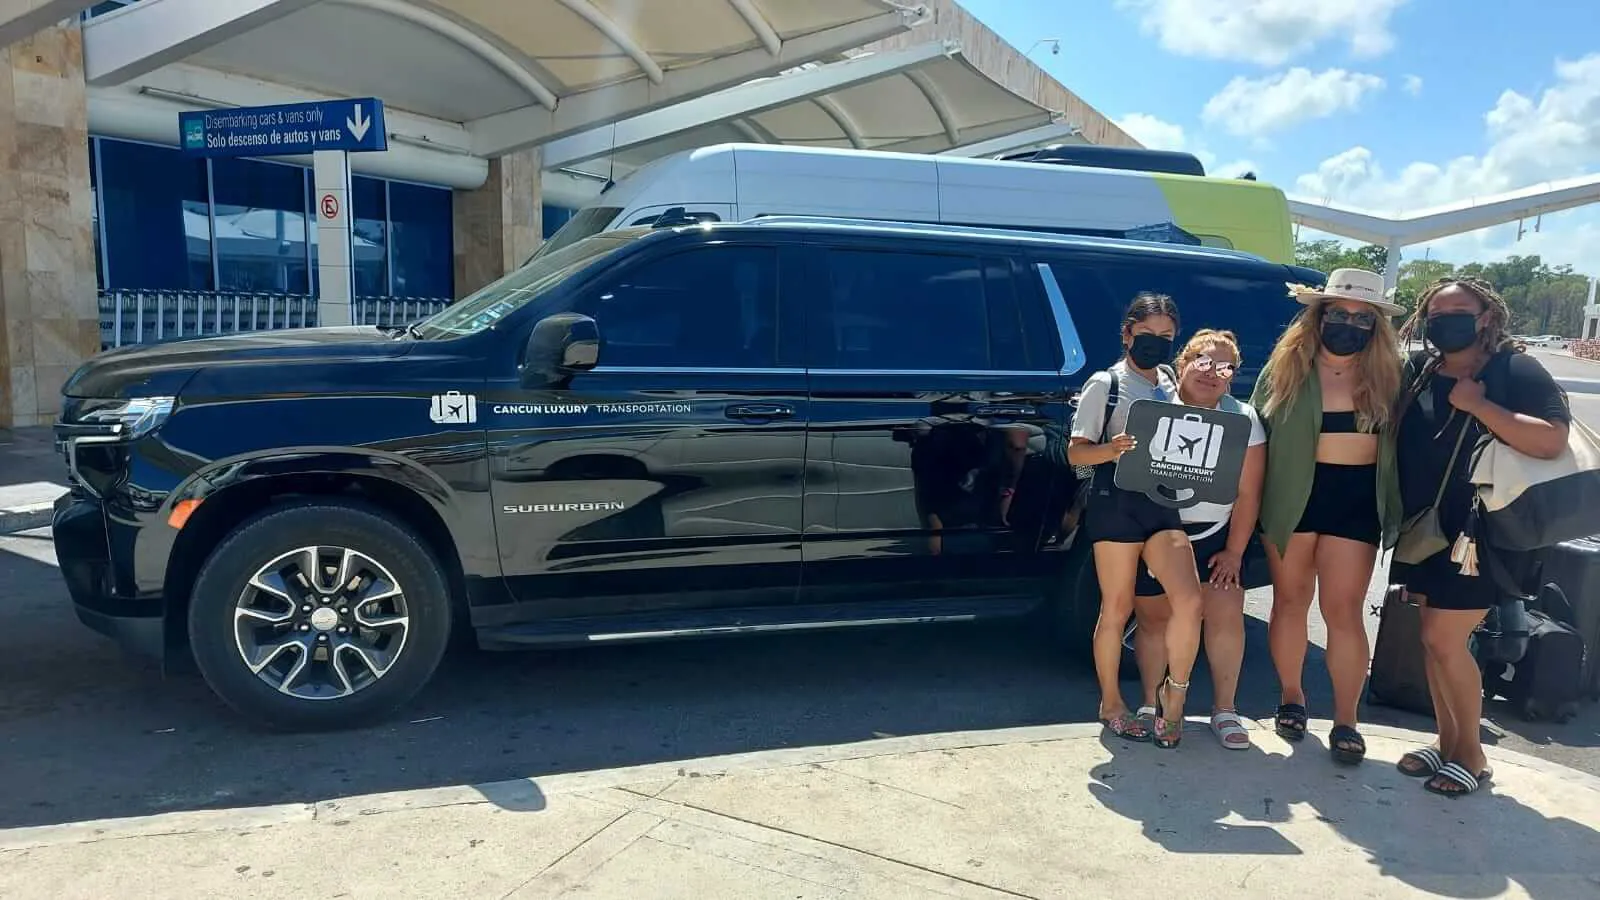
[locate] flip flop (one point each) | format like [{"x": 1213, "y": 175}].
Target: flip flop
[
  {"x": 1457, "y": 774},
  {"x": 1425, "y": 762},
  {"x": 1225, "y": 723}
]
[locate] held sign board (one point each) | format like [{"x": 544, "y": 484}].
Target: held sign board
[
  {"x": 291, "y": 129},
  {"x": 1185, "y": 455}
]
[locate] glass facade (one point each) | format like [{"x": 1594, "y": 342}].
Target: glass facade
[{"x": 164, "y": 221}]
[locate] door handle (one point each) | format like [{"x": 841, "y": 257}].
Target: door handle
[
  {"x": 1005, "y": 411},
  {"x": 760, "y": 411}
]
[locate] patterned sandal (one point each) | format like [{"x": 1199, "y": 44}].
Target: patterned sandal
[
  {"x": 1169, "y": 732},
  {"x": 1127, "y": 726}
]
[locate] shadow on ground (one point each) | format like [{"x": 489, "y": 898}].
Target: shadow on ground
[
  {"x": 86, "y": 732},
  {"x": 1475, "y": 847}
]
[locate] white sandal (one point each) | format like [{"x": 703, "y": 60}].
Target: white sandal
[{"x": 1225, "y": 724}]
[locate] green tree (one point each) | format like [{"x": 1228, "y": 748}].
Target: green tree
[
  {"x": 1415, "y": 276},
  {"x": 1327, "y": 255}
]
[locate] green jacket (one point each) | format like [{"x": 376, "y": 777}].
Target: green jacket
[{"x": 1292, "y": 463}]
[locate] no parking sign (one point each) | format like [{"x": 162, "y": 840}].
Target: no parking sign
[{"x": 1186, "y": 454}]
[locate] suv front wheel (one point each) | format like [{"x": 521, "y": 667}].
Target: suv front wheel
[{"x": 319, "y": 615}]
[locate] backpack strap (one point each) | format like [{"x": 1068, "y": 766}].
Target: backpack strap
[{"x": 1113, "y": 395}]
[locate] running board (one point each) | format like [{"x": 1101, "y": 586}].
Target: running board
[{"x": 759, "y": 620}]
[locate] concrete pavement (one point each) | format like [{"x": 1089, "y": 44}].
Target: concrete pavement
[
  {"x": 1055, "y": 811},
  {"x": 32, "y": 476}
]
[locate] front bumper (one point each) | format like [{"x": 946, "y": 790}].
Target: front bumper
[{"x": 83, "y": 552}]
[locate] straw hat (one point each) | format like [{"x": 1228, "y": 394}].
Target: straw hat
[{"x": 1349, "y": 284}]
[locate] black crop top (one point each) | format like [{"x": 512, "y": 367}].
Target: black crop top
[{"x": 1340, "y": 423}]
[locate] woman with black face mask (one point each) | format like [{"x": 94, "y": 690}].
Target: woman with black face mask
[
  {"x": 1332, "y": 495},
  {"x": 1127, "y": 527},
  {"x": 1469, "y": 375}
]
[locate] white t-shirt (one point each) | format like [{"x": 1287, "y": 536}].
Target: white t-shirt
[
  {"x": 1217, "y": 514},
  {"x": 1089, "y": 420}
]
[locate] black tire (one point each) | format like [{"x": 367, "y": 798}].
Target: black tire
[{"x": 224, "y": 579}]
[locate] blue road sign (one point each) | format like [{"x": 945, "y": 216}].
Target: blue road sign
[{"x": 354, "y": 125}]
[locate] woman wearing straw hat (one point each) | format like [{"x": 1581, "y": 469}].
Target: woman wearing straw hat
[{"x": 1332, "y": 493}]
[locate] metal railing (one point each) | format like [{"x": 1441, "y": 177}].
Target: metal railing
[{"x": 137, "y": 317}]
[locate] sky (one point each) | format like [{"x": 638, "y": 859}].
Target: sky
[{"x": 1391, "y": 106}]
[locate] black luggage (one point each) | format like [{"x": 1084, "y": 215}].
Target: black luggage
[
  {"x": 1575, "y": 567},
  {"x": 1545, "y": 683},
  {"x": 1399, "y": 677}
]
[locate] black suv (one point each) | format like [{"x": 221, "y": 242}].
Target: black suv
[{"x": 657, "y": 432}]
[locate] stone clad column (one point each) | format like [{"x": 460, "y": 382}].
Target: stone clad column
[
  {"x": 49, "y": 317},
  {"x": 499, "y": 225}
]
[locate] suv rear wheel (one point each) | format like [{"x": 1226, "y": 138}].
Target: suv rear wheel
[{"x": 319, "y": 615}]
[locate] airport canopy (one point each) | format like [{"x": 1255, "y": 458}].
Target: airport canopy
[
  {"x": 922, "y": 99},
  {"x": 513, "y": 74},
  {"x": 1403, "y": 230},
  {"x": 21, "y": 18}
]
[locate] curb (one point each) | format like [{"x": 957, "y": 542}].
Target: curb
[
  {"x": 26, "y": 518},
  {"x": 528, "y": 793}
]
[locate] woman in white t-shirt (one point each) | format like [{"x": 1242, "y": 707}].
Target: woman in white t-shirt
[{"x": 1220, "y": 533}]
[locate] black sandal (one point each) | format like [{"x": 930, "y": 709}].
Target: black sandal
[
  {"x": 1292, "y": 720},
  {"x": 1349, "y": 755}
]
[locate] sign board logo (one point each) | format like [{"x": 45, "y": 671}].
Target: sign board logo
[
  {"x": 1187, "y": 441},
  {"x": 330, "y": 206},
  {"x": 1186, "y": 454},
  {"x": 453, "y": 408},
  {"x": 194, "y": 133}
]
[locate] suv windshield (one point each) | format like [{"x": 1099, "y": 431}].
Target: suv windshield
[
  {"x": 538, "y": 276},
  {"x": 584, "y": 223}
]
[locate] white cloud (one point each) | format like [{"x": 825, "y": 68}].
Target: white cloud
[
  {"x": 1413, "y": 85},
  {"x": 1267, "y": 32},
  {"x": 1153, "y": 132},
  {"x": 1253, "y": 107},
  {"x": 1158, "y": 134},
  {"x": 1528, "y": 141}
]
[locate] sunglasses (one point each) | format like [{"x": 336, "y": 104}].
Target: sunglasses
[
  {"x": 1366, "y": 321},
  {"x": 1203, "y": 363}
]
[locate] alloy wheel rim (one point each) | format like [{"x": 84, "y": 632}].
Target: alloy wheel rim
[{"x": 321, "y": 622}]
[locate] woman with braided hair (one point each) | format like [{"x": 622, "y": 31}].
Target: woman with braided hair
[{"x": 1469, "y": 375}]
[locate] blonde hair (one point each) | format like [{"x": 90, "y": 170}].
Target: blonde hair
[
  {"x": 1377, "y": 368},
  {"x": 1203, "y": 341}
]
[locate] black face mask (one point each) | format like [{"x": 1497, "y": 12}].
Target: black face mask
[
  {"x": 1344, "y": 339},
  {"x": 1150, "y": 350},
  {"x": 1453, "y": 331}
]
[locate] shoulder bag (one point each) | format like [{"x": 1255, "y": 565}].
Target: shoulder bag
[
  {"x": 1421, "y": 536},
  {"x": 1525, "y": 503}
]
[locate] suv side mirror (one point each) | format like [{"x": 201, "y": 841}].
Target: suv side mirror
[{"x": 559, "y": 346}]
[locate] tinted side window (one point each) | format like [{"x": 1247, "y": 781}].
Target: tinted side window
[
  {"x": 1255, "y": 307},
  {"x": 709, "y": 307},
  {"x": 900, "y": 311},
  {"x": 693, "y": 216}
]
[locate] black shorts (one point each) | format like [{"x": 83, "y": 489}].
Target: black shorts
[
  {"x": 1123, "y": 517},
  {"x": 1441, "y": 581},
  {"x": 1146, "y": 584},
  {"x": 1344, "y": 503}
]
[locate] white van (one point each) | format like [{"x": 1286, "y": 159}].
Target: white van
[{"x": 737, "y": 182}]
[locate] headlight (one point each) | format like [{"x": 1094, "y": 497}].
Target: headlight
[{"x": 128, "y": 419}]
